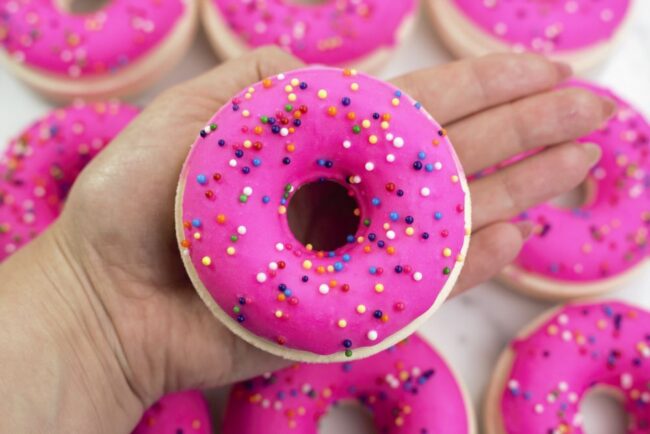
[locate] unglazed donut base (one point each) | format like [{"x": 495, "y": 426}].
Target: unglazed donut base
[
  {"x": 132, "y": 79},
  {"x": 537, "y": 286},
  {"x": 305, "y": 356},
  {"x": 492, "y": 417},
  {"x": 228, "y": 45},
  {"x": 465, "y": 39}
]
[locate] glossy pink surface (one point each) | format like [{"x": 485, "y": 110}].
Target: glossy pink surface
[
  {"x": 580, "y": 347},
  {"x": 179, "y": 413},
  {"x": 41, "y": 164},
  {"x": 608, "y": 235},
  {"x": 394, "y": 158},
  {"x": 41, "y": 35},
  {"x": 335, "y": 32},
  {"x": 547, "y": 26},
  {"x": 407, "y": 389}
]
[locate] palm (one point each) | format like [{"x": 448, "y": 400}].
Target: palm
[{"x": 120, "y": 215}]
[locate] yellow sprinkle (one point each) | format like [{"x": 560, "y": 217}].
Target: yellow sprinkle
[
  {"x": 386, "y": 226},
  {"x": 246, "y": 113},
  {"x": 385, "y": 125},
  {"x": 409, "y": 231},
  {"x": 247, "y": 144},
  {"x": 460, "y": 258},
  {"x": 295, "y": 82},
  {"x": 282, "y": 209},
  {"x": 354, "y": 87},
  {"x": 468, "y": 231},
  {"x": 395, "y": 102},
  {"x": 330, "y": 268},
  {"x": 365, "y": 123},
  {"x": 309, "y": 247},
  {"x": 278, "y": 314},
  {"x": 292, "y": 97},
  {"x": 446, "y": 252},
  {"x": 342, "y": 323},
  {"x": 379, "y": 288},
  {"x": 373, "y": 139},
  {"x": 251, "y": 89},
  {"x": 361, "y": 309},
  {"x": 206, "y": 261},
  {"x": 454, "y": 178},
  {"x": 322, "y": 94},
  {"x": 230, "y": 250},
  {"x": 248, "y": 96},
  {"x": 306, "y": 264},
  {"x": 197, "y": 235},
  {"x": 288, "y": 88}
]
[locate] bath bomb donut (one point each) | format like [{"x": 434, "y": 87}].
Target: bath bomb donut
[
  {"x": 579, "y": 32},
  {"x": 543, "y": 376},
  {"x": 309, "y": 126},
  {"x": 343, "y": 33},
  {"x": 599, "y": 245},
  {"x": 408, "y": 388},
  {"x": 177, "y": 413},
  {"x": 40, "y": 165},
  {"x": 117, "y": 50}
]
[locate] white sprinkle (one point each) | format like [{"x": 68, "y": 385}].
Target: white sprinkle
[
  {"x": 233, "y": 163},
  {"x": 437, "y": 165},
  {"x": 248, "y": 191},
  {"x": 241, "y": 230},
  {"x": 273, "y": 266},
  {"x": 284, "y": 132},
  {"x": 390, "y": 235},
  {"x": 347, "y": 144},
  {"x": 372, "y": 335},
  {"x": 261, "y": 277},
  {"x": 417, "y": 276},
  {"x": 390, "y": 158},
  {"x": 539, "y": 409},
  {"x": 281, "y": 76},
  {"x": 390, "y": 137},
  {"x": 370, "y": 166},
  {"x": 324, "y": 288},
  {"x": 627, "y": 381},
  {"x": 398, "y": 142},
  {"x": 425, "y": 191},
  {"x": 279, "y": 247}
]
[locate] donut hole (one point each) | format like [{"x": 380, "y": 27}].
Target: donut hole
[
  {"x": 81, "y": 7},
  {"x": 579, "y": 197},
  {"x": 602, "y": 412},
  {"x": 323, "y": 214},
  {"x": 308, "y": 2},
  {"x": 347, "y": 418}
]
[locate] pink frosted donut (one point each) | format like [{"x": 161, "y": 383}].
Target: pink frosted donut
[
  {"x": 543, "y": 376},
  {"x": 179, "y": 413},
  {"x": 581, "y": 32},
  {"x": 362, "y": 135},
  {"x": 408, "y": 388},
  {"x": 117, "y": 49},
  {"x": 359, "y": 33},
  {"x": 597, "y": 246},
  {"x": 40, "y": 165}
]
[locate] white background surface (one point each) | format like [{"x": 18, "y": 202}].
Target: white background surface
[{"x": 470, "y": 330}]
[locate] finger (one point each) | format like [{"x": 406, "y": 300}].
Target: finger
[
  {"x": 458, "y": 89},
  {"x": 540, "y": 120},
  {"x": 491, "y": 249},
  {"x": 534, "y": 180}
]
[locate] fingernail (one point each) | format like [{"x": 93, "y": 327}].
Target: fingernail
[
  {"x": 609, "y": 107},
  {"x": 593, "y": 152},
  {"x": 526, "y": 229},
  {"x": 564, "y": 70}
]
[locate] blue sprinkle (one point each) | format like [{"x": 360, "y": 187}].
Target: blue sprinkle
[
  {"x": 422, "y": 155},
  {"x": 283, "y": 201},
  {"x": 376, "y": 201},
  {"x": 287, "y": 292},
  {"x": 372, "y": 270},
  {"x": 331, "y": 254},
  {"x": 338, "y": 266},
  {"x": 398, "y": 93},
  {"x": 201, "y": 179},
  {"x": 266, "y": 199},
  {"x": 394, "y": 216},
  {"x": 418, "y": 105},
  {"x": 350, "y": 238},
  {"x": 428, "y": 167},
  {"x": 257, "y": 162},
  {"x": 321, "y": 162},
  {"x": 437, "y": 215},
  {"x": 346, "y": 258},
  {"x": 196, "y": 223}
]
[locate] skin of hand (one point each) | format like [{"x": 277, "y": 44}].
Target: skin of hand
[{"x": 97, "y": 317}]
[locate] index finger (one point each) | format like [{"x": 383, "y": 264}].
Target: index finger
[{"x": 459, "y": 89}]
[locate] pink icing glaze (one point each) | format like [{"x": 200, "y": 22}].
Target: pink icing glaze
[
  {"x": 179, "y": 413},
  {"x": 547, "y": 25},
  {"x": 609, "y": 235},
  {"x": 40, "y": 34},
  {"x": 336, "y": 32},
  {"x": 408, "y": 389},
  {"x": 242, "y": 172},
  {"x": 40, "y": 165},
  {"x": 581, "y": 346}
]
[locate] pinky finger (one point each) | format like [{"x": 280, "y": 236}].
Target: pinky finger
[{"x": 491, "y": 249}]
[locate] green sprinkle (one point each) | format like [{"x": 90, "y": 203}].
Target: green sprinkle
[
  {"x": 366, "y": 222},
  {"x": 348, "y": 353},
  {"x": 236, "y": 309},
  {"x": 288, "y": 107},
  {"x": 213, "y": 127},
  {"x": 356, "y": 129},
  {"x": 264, "y": 119},
  {"x": 234, "y": 238},
  {"x": 446, "y": 270},
  {"x": 243, "y": 198}
]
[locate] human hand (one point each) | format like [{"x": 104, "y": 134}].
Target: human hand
[{"x": 117, "y": 231}]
